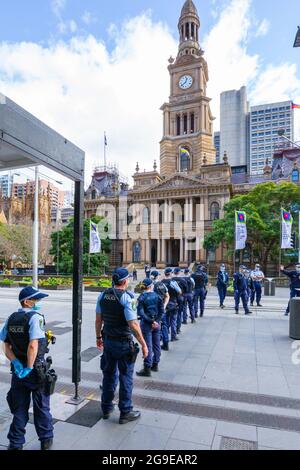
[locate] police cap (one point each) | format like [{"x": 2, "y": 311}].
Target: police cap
[{"x": 31, "y": 293}]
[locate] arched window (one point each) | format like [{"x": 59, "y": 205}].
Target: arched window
[
  {"x": 193, "y": 30},
  {"x": 185, "y": 159},
  {"x": 187, "y": 31},
  {"x": 146, "y": 215},
  {"x": 192, "y": 123},
  {"x": 214, "y": 211},
  {"x": 94, "y": 194},
  {"x": 295, "y": 176},
  {"x": 136, "y": 252},
  {"x": 185, "y": 124}
]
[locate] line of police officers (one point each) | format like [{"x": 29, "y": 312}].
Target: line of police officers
[{"x": 162, "y": 309}]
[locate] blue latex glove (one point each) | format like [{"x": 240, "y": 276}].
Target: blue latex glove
[
  {"x": 24, "y": 373},
  {"x": 18, "y": 366}
]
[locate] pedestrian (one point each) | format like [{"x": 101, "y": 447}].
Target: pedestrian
[
  {"x": 147, "y": 271},
  {"x": 134, "y": 274},
  {"x": 257, "y": 277},
  {"x": 183, "y": 287},
  {"x": 25, "y": 347},
  {"x": 241, "y": 290},
  {"x": 161, "y": 289},
  {"x": 189, "y": 297},
  {"x": 201, "y": 281},
  {"x": 222, "y": 284},
  {"x": 172, "y": 307},
  {"x": 150, "y": 310},
  {"x": 250, "y": 287},
  {"x": 116, "y": 314},
  {"x": 294, "y": 276}
]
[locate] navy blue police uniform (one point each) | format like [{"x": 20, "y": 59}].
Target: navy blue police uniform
[
  {"x": 20, "y": 329},
  {"x": 222, "y": 285},
  {"x": 183, "y": 287},
  {"x": 172, "y": 307},
  {"x": 294, "y": 286},
  {"x": 117, "y": 308},
  {"x": 150, "y": 310},
  {"x": 189, "y": 298},
  {"x": 240, "y": 284},
  {"x": 161, "y": 289},
  {"x": 200, "y": 292}
]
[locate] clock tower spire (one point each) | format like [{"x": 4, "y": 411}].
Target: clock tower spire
[{"x": 188, "y": 121}]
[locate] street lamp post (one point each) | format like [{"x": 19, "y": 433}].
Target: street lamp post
[
  {"x": 35, "y": 242},
  {"x": 281, "y": 133}
]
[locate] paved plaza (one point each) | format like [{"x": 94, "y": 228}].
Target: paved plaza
[{"x": 230, "y": 382}]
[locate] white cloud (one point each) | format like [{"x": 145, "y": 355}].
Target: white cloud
[
  {"x": 58, "y": 6},
  {"x": 88, "y": 18},
  {"x": 263, "y": 28}
]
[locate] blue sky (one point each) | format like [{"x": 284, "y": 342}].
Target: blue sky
[{"x": 64, "y": 62}]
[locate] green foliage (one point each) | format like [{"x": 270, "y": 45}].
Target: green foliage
[
  {"x": 55, "y": 281},
  {"x": 262, "y": 205},
  {"x": 62, "y": 249},
  {"x": 7, "y": 282},
  {"x": 15, "y": 244}
]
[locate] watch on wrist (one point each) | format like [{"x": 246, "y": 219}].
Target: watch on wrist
[{"x": 99, "y": 337}]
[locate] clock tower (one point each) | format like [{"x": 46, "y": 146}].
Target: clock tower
[{"x": 187, "y": 142}]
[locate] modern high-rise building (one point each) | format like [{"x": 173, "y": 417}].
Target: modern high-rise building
[
  {"x": 25, "y": 189},
  {"x": 265, "y": 122},
  {"x": 217, "y": 142},
  {"x": 6, "y": 183},
  {"x": 234, "y": 132}
]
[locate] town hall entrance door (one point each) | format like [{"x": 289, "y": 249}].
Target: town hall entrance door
[{"x": 173, "y": 250}]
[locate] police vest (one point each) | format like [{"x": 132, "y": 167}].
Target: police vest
[
  {"x": 190, "y": 285},
  {"x": 18, "y": 336},
  {"x": 200, "y": 280},
  {"x": 182, "y": 284},
  {"x": 240, "y": 282},
  {"x": 150, "y": 304},
  {"x": 160, "y": 289},
  {"x": 172, "y": 293},
  {"x": 112, "y": 311}
]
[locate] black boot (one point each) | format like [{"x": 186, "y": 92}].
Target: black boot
[
  {"x": 154, "y": 368},
  {"x": 14, "y": 448},
  {"x": 145, "y": 372},
  {"x": 184, "y": 322},
  {"x": 237, "y": 312},
  {"x": 129, "y": 417},
  {"x": 165, "y": 347},
  {"x": 47, "y": 444}
]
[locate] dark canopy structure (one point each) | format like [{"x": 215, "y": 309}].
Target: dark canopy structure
[{"x": 26, "y": 141}]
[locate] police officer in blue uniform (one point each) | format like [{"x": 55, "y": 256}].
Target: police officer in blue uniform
[
  {"x": 172, "y": 307},
  {"x": 295, "y": 284},
  {"x": 161, "y": 289},
  {"x": 222, "y": 284},
  {"x": 25, "y": 347},
  {"x": 250, "y": 287},
  {"x": 183, "y": 287},
  {"x": 257, "y": 277},
  {"x": 200, "y": 292},
  {"x": 188, "y": 297},
  {"x": 150, "y": 310},
  {"x": 240, "y": 284},
  {"x": 116, "y": 314}
]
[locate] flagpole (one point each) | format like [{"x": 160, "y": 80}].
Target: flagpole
[
  {"x": 280, "y": 249},
  {"x": 105, "y": 150}
]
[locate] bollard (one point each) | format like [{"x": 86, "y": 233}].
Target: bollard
[
  {"x": 267, "y": 287},
  {"x": 273, "y": 288},
  {"x": 295, "y": 318}
]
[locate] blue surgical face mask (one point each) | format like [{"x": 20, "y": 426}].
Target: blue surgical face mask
[
  {"x": 223, "y": 270},
  {"x": 36, "y": 308}
]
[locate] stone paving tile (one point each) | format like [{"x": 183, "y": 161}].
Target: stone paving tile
[
  {"x": 199, "y": 431},
  {"x": 271, "y": 380},
  {"x": 105, "y": 435},
  {"x": 158, "y": 419},
  {"x": 65, "y": 436},
  {"x": 175, "y": 444},
  {"x": 185, "y": 379},
  {"x": 278, "y": 439},
  {"x": 146, "y": 438},
  {"x": 262, "y": 409},
  {"x": 60, "y": 409},
  {"x": 238, "y": 431}
]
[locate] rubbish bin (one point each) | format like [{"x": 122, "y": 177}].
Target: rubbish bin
[
  {"x": 270, "y": 287},
  {"x": 295, "y": 318}
]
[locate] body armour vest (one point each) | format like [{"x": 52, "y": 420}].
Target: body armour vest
[
  {"x": 182, "y": 284},
  {"x": 112, "y": 311},
  {"x": 190, "y": 285},
  {"x": 200, "y": 280},
  {"x": 172, "y": 293},
  {"x": 18, "y": 336}
]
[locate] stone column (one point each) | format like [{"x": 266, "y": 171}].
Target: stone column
[
  {"x": 163, "y": 251},
  {"x": 181, "y": 250},
  {"x": 158, "y": 250},
  {"x": 148, "y": 255}
]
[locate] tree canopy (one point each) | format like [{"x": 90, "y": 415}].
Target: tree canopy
[
  {"x": 263, "y": 207},
  {"x": 15, "y": 244},
  {"x": 62, "y": 249}
]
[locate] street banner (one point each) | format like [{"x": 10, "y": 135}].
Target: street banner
[
  {"x": 95, "y": 242},
  {"x": 286, "y": 230},
  {"x": 240, "y": 230}
]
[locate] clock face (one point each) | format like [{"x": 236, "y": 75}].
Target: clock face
[{"x": 186, "y": 82}]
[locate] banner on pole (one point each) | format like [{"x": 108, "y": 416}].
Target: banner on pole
[
  {"x": 240, "y": 230},
  {"x": 286, "y": 229},
  {"x": 95, "y": 242}
]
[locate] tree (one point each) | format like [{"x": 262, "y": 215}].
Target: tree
[
  {"x": 15, "y": 244},
  {"x": 262, "y": 205},
  {"x": 62, "y": 249}
]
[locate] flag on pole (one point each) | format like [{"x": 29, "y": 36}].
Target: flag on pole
[
  {"x": 240, "y": 230},
  {"x": 286, "y": 229},
  {"x": 295, "y": 106},
  {"x": 95, "y": 242}
]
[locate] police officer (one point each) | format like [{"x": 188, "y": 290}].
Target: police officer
[
  {"x": 200, "y": 292},
  {"x": 25, "y": 347},
  {"x": 222, "y": 284},
  {"x": 147, "y": 271},
  {"x": 250, "y": 287},
  {"x": 257, "y": 277},
  {"x": 241, "y": 290},
  {"x": 161, "y": 289},
  {"x": 150, "y": 310},
  {"x": 116, "y": 310},
  {"x": 295, "y": 284},
  {"x": 183, "y": 287},
  {"x": 172, "y": 307},
  {"x": 188, "y": 297}
]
